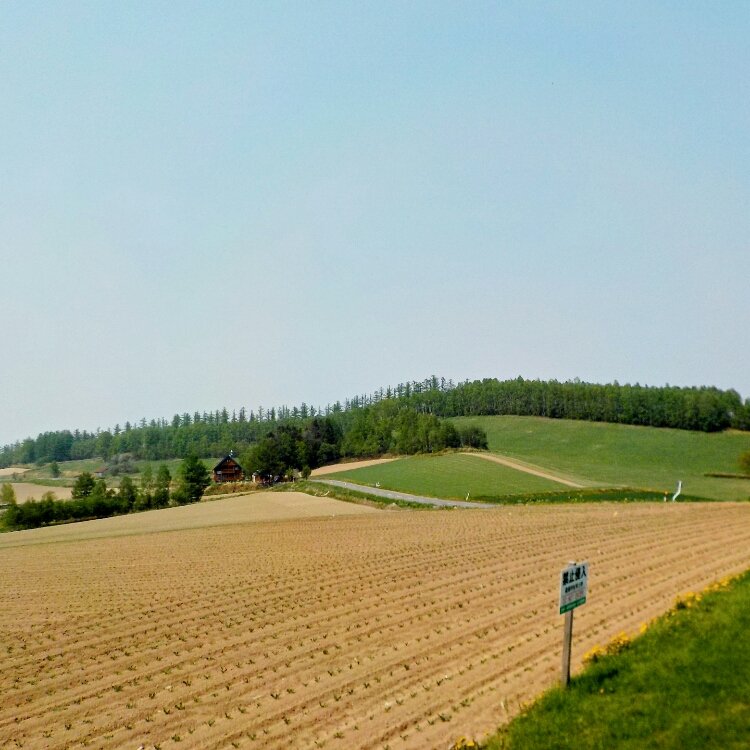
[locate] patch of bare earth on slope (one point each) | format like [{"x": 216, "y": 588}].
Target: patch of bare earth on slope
[{"x": 348, "y": 466}]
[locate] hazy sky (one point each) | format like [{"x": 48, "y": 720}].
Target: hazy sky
[{"x": 226, "y": 204}]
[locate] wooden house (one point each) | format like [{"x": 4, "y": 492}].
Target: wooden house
[{"x": 228, "y": 470}]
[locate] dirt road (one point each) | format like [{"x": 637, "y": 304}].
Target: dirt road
[
  {"x": 348, "y": 466},
  {"x": 514, "y": 463}
]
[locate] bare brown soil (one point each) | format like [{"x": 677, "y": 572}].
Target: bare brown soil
[
  {"x": 26, "y": 490},
  {"x": 226, "y": 510},
  {"x": 348, "y": 466},
  {"x": 9, "y": 471},
  {"x": 401, "y": 630}
]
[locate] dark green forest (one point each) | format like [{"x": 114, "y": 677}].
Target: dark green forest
[
  {"x": 386, "y": 427},
  {"x": 704, "y": 409},
  {"x": 393, "y": 419}
]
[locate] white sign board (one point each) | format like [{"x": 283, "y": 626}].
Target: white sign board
[{"x": 574, "y": 586}]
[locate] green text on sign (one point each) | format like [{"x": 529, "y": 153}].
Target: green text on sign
[{"x": 572, "y": 605}]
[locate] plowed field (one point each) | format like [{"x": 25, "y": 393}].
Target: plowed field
[{"x": 400, "y": 630}]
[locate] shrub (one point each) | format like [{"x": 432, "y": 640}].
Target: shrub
[
  {"x": 463, "y": 744},
  {"x": 616, "y": 645},
  {"x": 473, "y": 436},
  {"x": 7, "y": 494},
  {"x": 84, "y": 485}
]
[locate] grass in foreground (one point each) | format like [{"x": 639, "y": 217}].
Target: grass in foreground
[
  {"x": 613, "y": 454},
  {"x": 683, "y": 685}
]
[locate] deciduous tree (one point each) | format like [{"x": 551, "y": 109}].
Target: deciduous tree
[
  {"x": 84, "y": 485},
  {"x": 161, "y": 486},
  {"x": 7, "y": 494},
  {"x": 194, "y": 479},
  {"x": 128, "y": 493}
]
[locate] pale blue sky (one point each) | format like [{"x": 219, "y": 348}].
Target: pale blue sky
[{"x": 226, "y": 204}]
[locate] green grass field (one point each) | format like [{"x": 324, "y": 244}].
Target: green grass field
[
  {"x": 683, "y": 685},
  {"x": 623, "y": 455},
  {"x": 449, "y": 476}
]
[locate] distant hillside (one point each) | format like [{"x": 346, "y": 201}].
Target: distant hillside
[
  {"x": 622, "y": 455},
  {"x": 541, "y": 454},
  {"x": 705, "y": 409}
]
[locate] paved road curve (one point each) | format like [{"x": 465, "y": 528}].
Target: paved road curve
[{"x": 391, "y": 495}]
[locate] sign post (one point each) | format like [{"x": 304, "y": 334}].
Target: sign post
[
  {"x": 574, "y": 586},
  {"x": 567, "y": 642}
]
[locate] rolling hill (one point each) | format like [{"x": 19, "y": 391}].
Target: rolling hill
[{"x": 591, "y": 454}]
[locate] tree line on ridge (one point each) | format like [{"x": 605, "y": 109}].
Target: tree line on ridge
[{"x": 707, "y": 409}]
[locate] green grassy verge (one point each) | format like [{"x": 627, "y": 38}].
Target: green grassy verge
[
  {"x": 586, "y": 495},
  {"x": 589, "y": 495},
  {"x": 623, "y": 455},
  {"x": 682, "y": 685},
  {"x": 349, "y": 496},
  {"x": 449, "y": 476}
]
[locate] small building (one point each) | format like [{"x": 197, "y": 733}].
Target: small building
[{"x": 228, "y": 470}]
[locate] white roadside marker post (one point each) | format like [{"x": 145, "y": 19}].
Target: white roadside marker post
[
  {"x": 574, "y": 585},
  {"x": 679, "y": 490}
]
